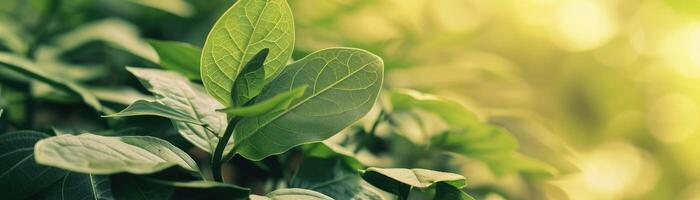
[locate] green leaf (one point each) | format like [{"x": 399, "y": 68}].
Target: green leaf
[
  {"x": 88, "y": 153},
  {"x": 292, "y": 194},
  {"x": 399, "y": 181},
  {"x": 143, "y": 107},
  {"x": 330, "y": 150},
  {"x": 250, "y": 80},
  {"x": 177, "y": 7},
  {"x": 131, "y": 187},
  {"x": 179, "y": 57},
  {"x": 1, "y": 110},
  {"x": 27, "y": 68},
  {"x": 451, "y": 111},
  {"x": 332, "y": 177},
  {"x": 20, "y": 175},
  {"x": 242, "y": 31},
  {"x": 277, "y": 103},
  {"x": 343, "y": 85},
  {"x": 80, "y": 186},
  {"x": 444, "y": 191},
  {"x": 121, "y": 95},
  {"x": 113, "y": 31},
  {"x": 176, "y": 91}
]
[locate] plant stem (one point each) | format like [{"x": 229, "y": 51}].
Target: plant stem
[
  {"x": 366, "y": 138},
  {"x": 216, "y": 161}
]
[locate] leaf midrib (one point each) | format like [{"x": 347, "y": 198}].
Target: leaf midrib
[{"x": 300, "y": 103}]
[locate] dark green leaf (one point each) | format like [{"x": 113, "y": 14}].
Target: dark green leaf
[
  {"x": 179, "y": 57},
  {"x": 331, "y": 150},
  {"x": 80, "y": 186},
  {"x": 332, "y": 177},
  {"x": 250, "y": 80},
  {"x": 88, "y": 153},
  {"x": 444, "y": 191},
  {"x": 20, "y": 175},
  {"x": 399, "y": 181},
  {"x": 242, "y": 31},
  {"x": 343, "y": 85},
  {"x": 204, "y": 190},
  {"x": 131, "y": 187}
]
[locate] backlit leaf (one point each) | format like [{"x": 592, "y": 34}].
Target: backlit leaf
[{"x": 179, "y": 57}]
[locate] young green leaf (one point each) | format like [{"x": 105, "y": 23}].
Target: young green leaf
[
  {"x": 179, "y": 57},
  {"x": 250, "y": 80},
  {"x": 177, "y": 92},
  {"x": 330, "y": 150},
  {"x": 88, "y": 153},
  {"x": 343, "y": 85},
  {"x": 277, "y": 103},
  {"x": 399, "y": 181},
  {"x": 292, "y": 194},
  {"x": 242, "y": 31},
  {"x": 332, "y": 177},
  {"x": 20, "y": 175},
  {"x": 143, "y": 107},
  {"x": 113, "y": 31},
  {"x": 80, "y": 186},
  {"x": 27, "y": 68}
]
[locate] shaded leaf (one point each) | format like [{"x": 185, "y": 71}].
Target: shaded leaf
[
  {"x": 332, "y": 177},
  {"x": 275, "y": 104},
  {"x": 444, "y": 191},
  {"x": 178, "y": 7},
  {"x": 204, "y": 190},
  {"x": 242, "y": 31},
  {"x": 88, "y": 153},
  {"x": 330, "y": 150},
  {"x": 27, "y": 68},
  {"x": 343, "y": 85},
  {"x": 250, "y": 80},
  {"x": 292, "y": 194},
  {"x": 20, "y": 175},
  {"x": 179, "y": 57},
  {"x": 80, "y": 186},
  {"x": 130, "y": 187},
  {"x": 399, "y": 181}
]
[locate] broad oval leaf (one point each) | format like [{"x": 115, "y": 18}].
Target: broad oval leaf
[
  {"x": 88, "y": 153},
  {"x": 277, "y": 103},
  {"x": 243, "y": 30},
  {"x": 343, "y": 85},
  {"x": 143, "y": 107},
  {"x": 179, "y": 57},
  {"x": 20, "y": 175},
  {"x": 80, "y": 186},
  {"x": 177, "y": 92},
  {"x": 399, "y": 181},
  {"x": 292, "y": 194},
  {"x": 333, "y": 177}
]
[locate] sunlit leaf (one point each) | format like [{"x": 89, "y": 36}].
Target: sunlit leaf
[
  {"x": 20, "y": 175},
  {"x": 343, "y": 85},
  {"x": 242, "y": 31},
  {"x": 88, "y": 153},
  {"x": 399, "y": 181},
  {"x": 179, "y": 57},
  {"x": 277, "y": 103}
]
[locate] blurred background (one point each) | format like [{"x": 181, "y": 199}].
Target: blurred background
[{"x": 608, "y": 87}]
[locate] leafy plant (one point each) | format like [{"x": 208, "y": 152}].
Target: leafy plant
[{"x": 251, "y": 110}]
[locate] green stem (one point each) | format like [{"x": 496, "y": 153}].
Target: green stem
[
  {"x": 216, "y": 161},
  {"x": 366, "y": 138}
]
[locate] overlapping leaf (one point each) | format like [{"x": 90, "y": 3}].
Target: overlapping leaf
[
  {"x": 179, "y": 57},
  {"x": 343, "y": 85},
  {"x": 337, "y": 179},
  {"x": 246, "y": 28},
  {"x": 399, "y": 181},
  {"x": 80, "y": 186},
  {"x": 88, "y": 153}
]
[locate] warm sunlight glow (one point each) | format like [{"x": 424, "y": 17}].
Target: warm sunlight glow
[{"x": 582, "y": 25}]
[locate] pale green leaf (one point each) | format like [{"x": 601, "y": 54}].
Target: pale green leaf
[
  {"x": 332, "y": 177},
  {"x": 277, "y": 103},
  {"x": 292, "y": 194},
  {"x": 399, "y": 181},
  {"x": 143, "y": 107},
  {"x": 176, "y": 91},
  {"x": 179, "y": 57},
  {"x": 88, "y": 153},
  {"x": 29, "y": 69},
  {"x": 80, "y": 186},
  {"x": 451, "y": 111},
  {"x": 343, "y": 85},
  {"x": 242, "y": 31},
  {"x": 178, "y": 7},
  {"x": 121, "y": 95},
  {"x": 115, "y": 32},
  {"x": 20, "y": 175}
]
